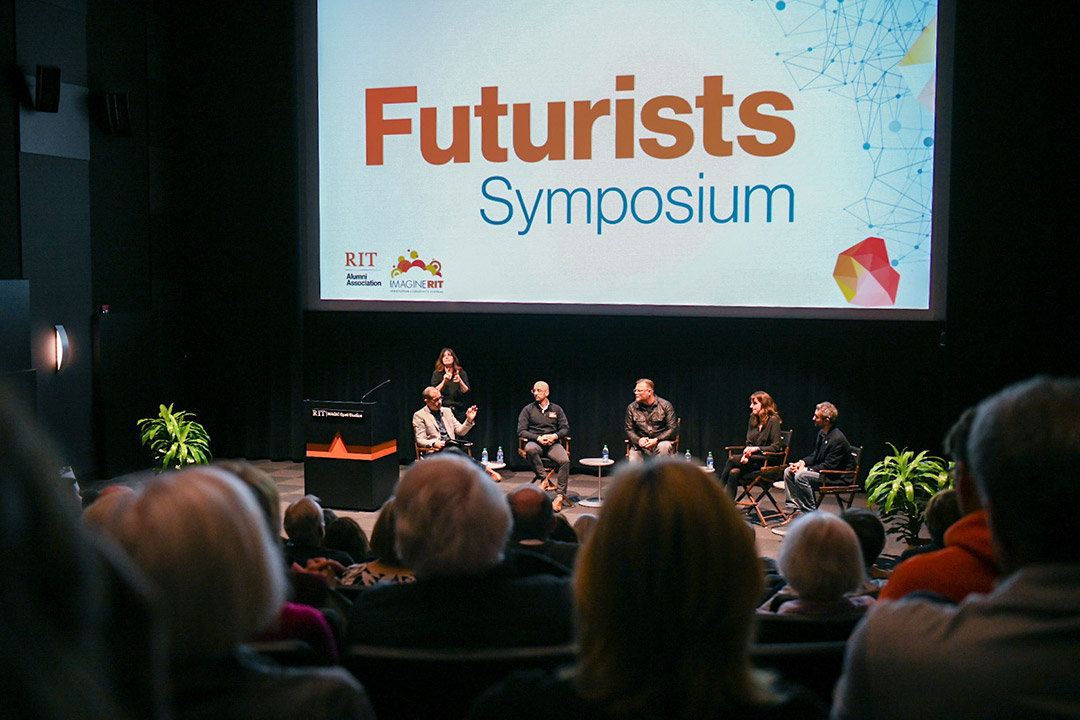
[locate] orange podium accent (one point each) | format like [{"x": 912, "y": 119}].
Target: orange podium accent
[{"x": 338, "y": 450}]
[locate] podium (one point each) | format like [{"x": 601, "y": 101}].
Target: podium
[{"x": 351, "y": 457}]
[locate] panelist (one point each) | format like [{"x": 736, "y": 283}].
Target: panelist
[
  {"x": 651, "y": 424},
  {"x": 453, "y": 382},
  {"x": 762, "y": 435},
  {"x": 543, "y": 424},
  {"x": 435, "y": 426},
  {"x": 831, "y": 452}
]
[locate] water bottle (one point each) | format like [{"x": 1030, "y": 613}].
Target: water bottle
[
  {"x": 688, "y": 458},
  {"x": 709, "y": 461},
  {"x": 484, "y": 456},
  {"x": 605, "y": 453},
  {"x": 499, "y": 456}
]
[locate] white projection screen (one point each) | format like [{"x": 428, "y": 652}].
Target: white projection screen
[{"x": 723, "y": 157}]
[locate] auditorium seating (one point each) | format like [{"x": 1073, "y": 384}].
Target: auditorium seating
[{"x": 407, "y": 684}]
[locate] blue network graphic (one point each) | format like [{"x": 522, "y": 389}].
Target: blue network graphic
[{"x": 853, "y": 49}]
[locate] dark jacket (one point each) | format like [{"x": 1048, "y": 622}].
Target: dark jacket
[{"x": 652, "y": 421}]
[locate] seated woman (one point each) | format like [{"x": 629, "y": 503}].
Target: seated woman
[
  {"x": 199, "y": 536},
  {"x": 664, "y": 593},
  {"x": 822, "y": 562},
  {"x": 762, "y": 435},
  {"x": 387, "y": 566},
  {"x": 452, "y": 381}
]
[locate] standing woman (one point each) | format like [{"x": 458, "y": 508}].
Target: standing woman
[
  {"x": 452, "y": 382},
  {"x": 762, "y": 435}
]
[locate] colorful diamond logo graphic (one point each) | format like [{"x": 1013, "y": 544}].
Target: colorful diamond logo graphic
[{"x": 865, "y": 276}]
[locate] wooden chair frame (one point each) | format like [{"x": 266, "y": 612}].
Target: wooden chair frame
[
  {"x": 763, "y": 478},
  {"x": 547, "y": 462},
  {"x": 832, "y": 483}
]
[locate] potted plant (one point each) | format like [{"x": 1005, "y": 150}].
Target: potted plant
[
  {"x": 900, "y": 486},
  {"x": 175, "y": 439}
]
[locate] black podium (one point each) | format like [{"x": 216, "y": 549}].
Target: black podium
[{"x": 351, "y": 460}]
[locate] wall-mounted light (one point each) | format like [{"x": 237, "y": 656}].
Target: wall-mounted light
[{"x": 63, "y": 349}]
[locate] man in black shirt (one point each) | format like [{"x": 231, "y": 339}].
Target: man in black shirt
[
  {"x": 831, "y": 452},
  {"x": 543, "y": 424}
]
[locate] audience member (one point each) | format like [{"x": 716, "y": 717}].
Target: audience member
[
  {"x": 870, "y": 532},
  {"x": 822, "y": 563},
  {"x": 198, "y": 534},
  {"x": 305, "y": 528},
  {"x": 80, "y": 635},
  {"x": 387, "y": 566},
  {"x": 584, "y": 526},
  {"x": 452, "y": 527},
  {"x": 313, "y": 617},
  {"x": 1011, "y": 653},
  {"x": 665, "y": 593},
  {"x": 346, "y": 535},
  {"x": 968, "y": 563},
  {"x": 942, "y": 510},
  {"x": 534, "y": 520}
]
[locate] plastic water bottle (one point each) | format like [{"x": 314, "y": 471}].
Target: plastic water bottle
[
  {"x": 499, "y": 455},
  {"x": 688, "y": 458},
  {"x": 709, "y": 461},
  {"x": 484, "y": 456},
  {"x": 604, "y": 454}
]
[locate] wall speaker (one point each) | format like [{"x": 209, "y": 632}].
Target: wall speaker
[{"x": 47, "y": 89}]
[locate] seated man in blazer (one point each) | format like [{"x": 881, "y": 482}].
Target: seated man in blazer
[{"x": 435, "y": 426}]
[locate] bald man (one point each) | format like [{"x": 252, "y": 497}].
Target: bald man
[{"x": 544, "y": 426}]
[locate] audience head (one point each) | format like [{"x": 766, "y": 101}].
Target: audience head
[
  {"x": 870, "y": 532},
  {"x": 108, "y": 499},
  {"x": 665, "y": 593},
  {"x": 1026, "y": 436},
  {"x": 451, "y": 518},
  {"x": 345, "y": 534},
  {"x": 820, "y": 557},
  {"x": 584, "y": 526},
  {"x": 956, "y": 447},
  {"x": 200, "y": 536},
  {"x": 942, "y": 510},
  {"x": 304, "y": 521},
  {"x": 533, "y": 516},
  {"x": 263, "y": 488},
  {"x": 75, "y": 623},
  {"x": 384, "y": 536}
]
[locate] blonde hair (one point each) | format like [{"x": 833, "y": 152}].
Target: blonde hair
[
  {"x": 821, "y": 557},
  {"x": 665, "y": 594},
  {"x": 199, "y": 535}
]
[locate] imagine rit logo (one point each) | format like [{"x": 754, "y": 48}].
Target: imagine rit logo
[{"x": 413, "y": 261}]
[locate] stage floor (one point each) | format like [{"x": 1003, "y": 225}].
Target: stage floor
[{"x": 289, "y": 477}]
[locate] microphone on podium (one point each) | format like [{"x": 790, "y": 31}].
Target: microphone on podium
[{"x": 362, "y": 399}]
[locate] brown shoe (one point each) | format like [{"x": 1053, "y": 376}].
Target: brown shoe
[{"x": 557, "y": 503}]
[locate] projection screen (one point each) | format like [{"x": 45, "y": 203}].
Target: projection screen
[{"x": 725, "y": 157}]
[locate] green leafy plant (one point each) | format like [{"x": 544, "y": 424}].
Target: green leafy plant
[
  {"x": 900, "y": 486},
  {"x": 175, "y": 439}
]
